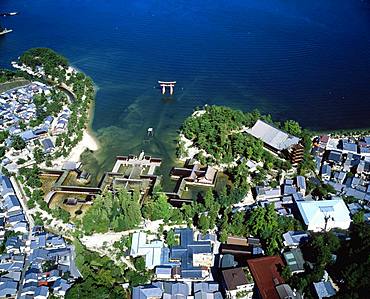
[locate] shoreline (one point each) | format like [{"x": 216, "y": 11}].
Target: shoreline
[{"x": 89, "y": 140}]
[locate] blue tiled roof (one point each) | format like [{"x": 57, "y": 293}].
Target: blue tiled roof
[
  {"x": 27, "y": 135},
  {"x": 5, "y": 181},
  {"x": 184, "y": 252},
  {"x": 11, "y": 201}
]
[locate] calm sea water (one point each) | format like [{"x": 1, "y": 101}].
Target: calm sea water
[{"x": 305, "y": 60}]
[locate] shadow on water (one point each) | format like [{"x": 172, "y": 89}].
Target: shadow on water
[{"x": 168, "y": 100}]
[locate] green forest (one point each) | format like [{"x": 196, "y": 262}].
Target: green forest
[{"x": 118, "y": 212}]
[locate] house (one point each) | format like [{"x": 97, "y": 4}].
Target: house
[
  {"x": 324, "y": 289},
  {"x": 12, "y": 204},
  {"x": 349, "y": 147},
  {"x": 266, "y": 275},
  {"x": 235, "y": 281},
  {"x": 326, "y": 172},
  {"x": 294, "y": 260},
  {"x": 13, "y": 275},
  {"x": 334, "y": 157},
  {"x": 294, "y": 239},
  {"x": 60, "y": 287},
  {"x": 289, "y": 189},
  {"x": 240, "y": 252},
  {"x": 206, "y": 290},
  {"x": 323, "y": 140},
  {"x": 70, "y": 165},
  {"x": 173, "y": 289},
  {"x": 340, "y": 176},
  {"x": 48, "y": 145},
  {"x": 41, "y": 292},
  {"x": 354, "y": 207},
  {"x": 21, "y": 227},
  {"x": 233, "y": 240},
  {"x": 8, "y": 289},
  {"x": 273, "y": 138},
  {"x": 28, "y": 135},
  {"x": 227, "y": 261},
  {"x": 14, "y": 245},
  {"x": 146, "y": 292},
  {"x": 324, "y": 214},
  {"x": 285, "y": 292},
  {"x": 355, "y": 193},
  {"x": 151, "y": 251},
  {"x": 268, "y": 193},
  {"x": 196, "y": 257},
  {"x": 301, "y": 184},
  {"x": 163, "y": 272},
  {"x": 6, "y": 186}
]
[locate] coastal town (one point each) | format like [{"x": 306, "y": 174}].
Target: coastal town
[{"x": 258, "y": 209}]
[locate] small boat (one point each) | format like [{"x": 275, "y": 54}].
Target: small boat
[
  {"x": 5, "y": 31},
  {"x": 9, "y": 14}
]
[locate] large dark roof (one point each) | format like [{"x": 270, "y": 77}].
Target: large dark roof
[{"x": 234, "y": 278}]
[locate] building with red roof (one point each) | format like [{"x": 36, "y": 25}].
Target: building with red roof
[{"x": 266, "y": 273}]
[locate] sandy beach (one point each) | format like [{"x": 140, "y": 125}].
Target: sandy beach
[{"x": 88, "y": 142}]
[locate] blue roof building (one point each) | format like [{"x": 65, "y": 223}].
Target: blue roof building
[
  {"x": 146, "y": 292},
  {"x": 12, "y": 203},
  {"x": 324, "y": 289},
  {"x": 48, "y": 145},
  {"x": 28, "y": 135},
  {"x": 8, "y": 289},
  {"x": 187, "y": 253},
  {"x": 42, "y": 292}
]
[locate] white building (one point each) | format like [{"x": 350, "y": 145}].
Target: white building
[
  {"x": 324, "y": 214},
  {"x": 151, "y": 251}
]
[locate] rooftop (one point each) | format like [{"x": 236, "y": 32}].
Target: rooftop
[
  {"x": 272, "y": 136},
  {"x": 234, "y": 278},
  {"x": 266, "y": 274}
]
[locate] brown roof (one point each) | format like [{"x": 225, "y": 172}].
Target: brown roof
[
  {"x": 237, "y": 241},
  {"x": 233, "y": 278},
  {"x": 265, "y": 271}
]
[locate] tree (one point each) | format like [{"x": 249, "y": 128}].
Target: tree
[
  {"x": 3, "y": 135},
  {"x": 286, "y": 273},
  {"x": 2, "y": 151},
  {"x": 292, "y": 127},
  {"x": 203, "y": 223},
  {"x": 38, "y": 155},
  {"x": 59, "y": 213},
  {"x": 18, "y": 143},
  {"x": 171, "y": 238},
  {"x": 139, "y": 264},
  {"x": 118, "y": 212},
  {"x": 158, "y": 208}
]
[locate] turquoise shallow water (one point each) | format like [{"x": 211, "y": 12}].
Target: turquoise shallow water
[{"x": 305, "y": 60}]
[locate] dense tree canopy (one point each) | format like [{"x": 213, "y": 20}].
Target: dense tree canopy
[
  {"x": 352, "y": 266},
  {"x": 44, "y": 57},
  {"x": 18, "y": 143},
  {"x": 158, "y": 207},
  {"x": 292, "y": 127},
  {"x": 118, "y": 212}
]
